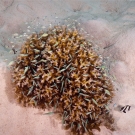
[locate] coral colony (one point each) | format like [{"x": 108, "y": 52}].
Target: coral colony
[{"x": 59, "y": 69}]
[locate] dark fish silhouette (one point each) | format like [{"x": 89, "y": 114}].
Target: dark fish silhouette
[
  {"x": 125, "y": 108},
  {"x": 121, "y": 108}
]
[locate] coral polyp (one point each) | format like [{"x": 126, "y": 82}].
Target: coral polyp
[{"x": 59, "y": 69}]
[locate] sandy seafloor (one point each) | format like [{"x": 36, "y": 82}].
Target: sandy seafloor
[{"x": 110, "y": 25}]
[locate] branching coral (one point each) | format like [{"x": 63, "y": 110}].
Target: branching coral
[{"x": 58, "y": 68}]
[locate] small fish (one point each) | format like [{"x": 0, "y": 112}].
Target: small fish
[
  {"x": 90, "y": 116},
  {"x": 56, "y": 68},
  {"x": 31, "y": 46},
  {"x": 125, "y": 108},
  {"x": 70, "y": 56},
  {"x": 107, "y": 92},
  {"x": 50, "y": 102},
  {"x": 62, "y": 70},
  {"x": 88, "y": 113},
  {"x": 37, "y": 77},
  {"x": 55, "y": 44},
  {"x": 83, "y": 124},
  {"x": 94, "y": 101},
  {"x": 44, "y": 35},
  {"x": 30, "y": 90},
  {"x": 33, "y": 98},
  {"x": 23, "y": 55},
  {"x": 23, "y": 77},
  {"x": 107, "y": 107},
  {"x": 11, "y": 63},
  {"x": 68, "y": 81},
  {"x": 37, "y": 56},
  {"x": 42, "y": 60},
  {"x": 72, "y": 124},
  {"x": 15, "y": 35},
  {"x": 84, "y": 94},
  {"x": 46, "y": 105},
  {"x": 94, "y": 115},
  {"x": 68, "y": 66},
  {"x": 67, "y": 74},
  {"x": 62, "y": 78},
  {"x": 83, "y": 90},
  {"x": 87, "y": 99},
  {"x": 71, "y": 69},
  {"x": 58, "y": 77},
  {"x": 78, "y": 126},
  {"x": 34, "y": 61},
  {"x": 55, "y": 85},
  {"x": 33, "y": 70},
  {"x": 86, "y": 75},
  {"x": 64, "y": 114},
  {"x": 49, "y": 113},
  {"x": 26, "y": 69},
  {"x": 14, "y": 50},
  {"x": 62, "y": 85},
  {"x": 50, "y": 52},
  {"x": 78, "y": 90},
  {"x": 34, "y": 83},
  {"x": 36, "y": 50}
]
